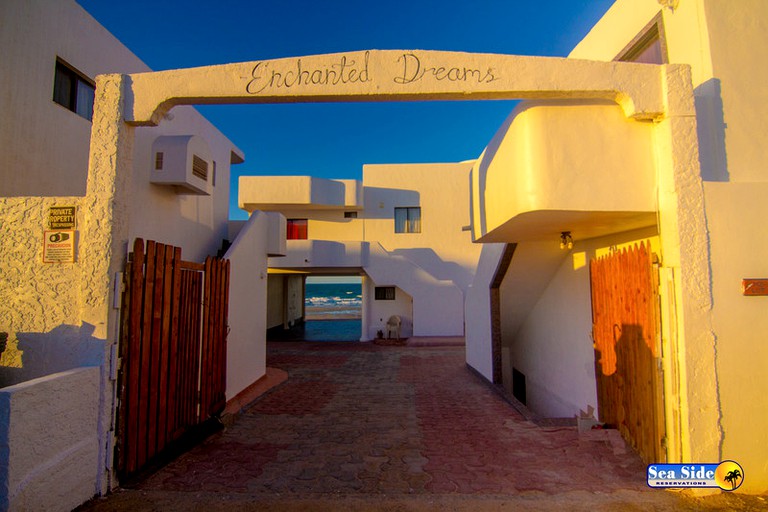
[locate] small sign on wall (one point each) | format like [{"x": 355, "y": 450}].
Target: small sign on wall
[
  {"x": 62, "y": 217},
  {"x": 59, "y": 246},
  {"x": 754, "y": 287}
]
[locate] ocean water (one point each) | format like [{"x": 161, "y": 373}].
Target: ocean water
[{"x": 329, "y": 301}]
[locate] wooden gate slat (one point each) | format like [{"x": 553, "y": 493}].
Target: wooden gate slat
[
  {"x": 133, "y": 361},
  {"x": 165, "y": 385},
  {"x": 173, "y": 348},
  {"x": 224, "y": 315},
  {"x": 205, "y": 359}
]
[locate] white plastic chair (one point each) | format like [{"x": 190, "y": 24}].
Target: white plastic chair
[{"x": 393, "y": 324}]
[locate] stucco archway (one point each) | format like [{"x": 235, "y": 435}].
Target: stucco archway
[{"x": 662, "y": 94}]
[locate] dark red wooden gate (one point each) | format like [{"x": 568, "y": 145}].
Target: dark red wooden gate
[{"x": 172, "y": 349}]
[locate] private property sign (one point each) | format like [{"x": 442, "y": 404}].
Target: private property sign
[{"x": 62, "y": 217}]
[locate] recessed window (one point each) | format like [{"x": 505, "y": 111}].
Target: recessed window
[
  {"x": 350, "y": 215},
  {"x": 649, "y": 47},
  {"x": 159, "y": 161},
  {"x": 384, "y": 293},
  {"x": 296, "y": 229},
  {"x": 408, "y": 219},
  {"x": 73, "y": 91}
]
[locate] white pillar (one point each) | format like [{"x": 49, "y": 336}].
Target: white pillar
[{"x": 366, "y": 313}]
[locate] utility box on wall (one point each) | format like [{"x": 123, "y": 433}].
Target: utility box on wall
[{"x": 185, "y": 162}]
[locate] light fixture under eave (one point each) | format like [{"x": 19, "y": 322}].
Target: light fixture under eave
[{"x": 566, "y": 240}]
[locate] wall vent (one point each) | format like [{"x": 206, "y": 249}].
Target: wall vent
[
  {"x": 199, "y": 167},
  {"x": 159, "y": 161}
]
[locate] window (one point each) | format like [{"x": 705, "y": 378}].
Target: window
[
  {"x": 649, "y": 47},
  {"x": 297, "y": 229},
  {"x": 73, "y": 91},
  {"x": 350, "y": 215},
  {"x": 408, "y": 219},
  {"x": 384, "y": 293}
]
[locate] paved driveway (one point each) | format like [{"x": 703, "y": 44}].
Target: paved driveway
[{"x": 366, "y": 427}]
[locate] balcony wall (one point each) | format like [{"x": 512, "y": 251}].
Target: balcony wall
[
  {"x": 269, "y": 193},
  {"x": 556, "y": 166},
  {"x": 322, "y": 254}
]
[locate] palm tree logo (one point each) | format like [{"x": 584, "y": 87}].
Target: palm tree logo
[
  {"x": 729, "y": 475},
  {"x": 732, "y": 477}
]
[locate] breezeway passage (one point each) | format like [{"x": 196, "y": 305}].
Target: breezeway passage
[{"x": 361, "y": 426}]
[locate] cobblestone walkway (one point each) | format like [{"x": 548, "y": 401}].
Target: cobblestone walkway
[{"x": 363, "y": 427}]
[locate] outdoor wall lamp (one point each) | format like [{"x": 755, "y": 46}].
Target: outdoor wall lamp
[{"x": 566, "y": 240}]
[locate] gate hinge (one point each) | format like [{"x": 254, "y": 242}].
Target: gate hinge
[
  {"x": 117, "y": 296},
  {"x": 114, "y": 362}
]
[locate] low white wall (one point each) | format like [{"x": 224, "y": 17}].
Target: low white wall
[
  {"x": 246, "y": 343},
  {"x": 49, "y": 447}
]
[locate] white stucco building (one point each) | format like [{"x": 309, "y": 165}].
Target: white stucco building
[
  {"x": 691, "y": 183},
  {"x": 403, "y": 229},
  {"x": 59, "y": 368}
]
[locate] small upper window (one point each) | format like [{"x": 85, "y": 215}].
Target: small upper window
[
  {"x": 73, "y": 91},
  {"x": 296, "y": 229},
  {"x": 649, "y": 47},
  {"x": 408, "y": 219}
]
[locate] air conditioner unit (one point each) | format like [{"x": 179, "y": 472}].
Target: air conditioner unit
[{"x": 183, "y": 161}]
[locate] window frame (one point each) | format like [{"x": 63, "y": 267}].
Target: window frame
[
  {"x": 642, "y": 41},
  {"x": 297, "y": 222},
  {"x": 384, "y": 293},
  {"x": 410, "y": 222},
  {"x": 77, "y": 81}
]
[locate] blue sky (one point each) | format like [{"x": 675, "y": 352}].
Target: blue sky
[{"x": 335, "y": 140}]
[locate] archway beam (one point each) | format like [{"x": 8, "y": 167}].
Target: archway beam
[{"x": 397, "y": 75}]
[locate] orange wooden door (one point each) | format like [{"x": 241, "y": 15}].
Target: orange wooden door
[{"x": 625, "y": 331}]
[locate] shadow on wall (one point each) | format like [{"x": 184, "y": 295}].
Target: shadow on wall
[
  {"x": 711, "y": 131},
  {"x": 380, "y": 202},
  {"x": 63, "y": 348},
  {"x": 440, "y": 269}
]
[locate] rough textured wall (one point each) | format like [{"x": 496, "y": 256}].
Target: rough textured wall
[
  {"x": 40, "y": 305},
  {"x": 105, "y": 223}
]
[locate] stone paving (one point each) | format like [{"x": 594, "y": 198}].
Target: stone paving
[{"x": 366, "y": 427}]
